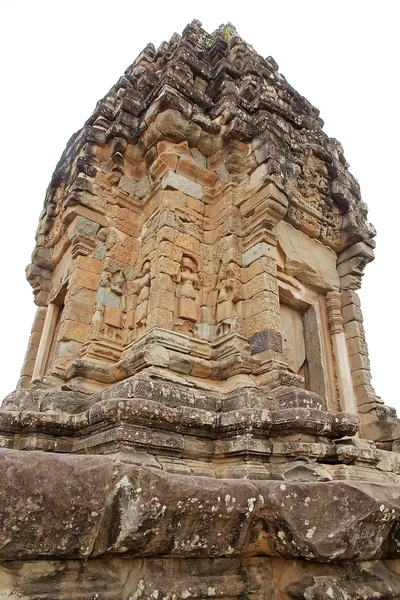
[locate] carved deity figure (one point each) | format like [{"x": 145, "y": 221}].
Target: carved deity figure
[
  {"x": 229, "y": 292},
  {"x": 186, "y": 293},
  {"x": 118, "y": 283},
  {"x": 108, "y": 315},
  {"x": 313, "y": 184},
  {"x": 142, "y": 307}
]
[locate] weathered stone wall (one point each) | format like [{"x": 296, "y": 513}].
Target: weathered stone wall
[
  {"x": 200, "y": 195},
  {"x": 189, "y": 537}
]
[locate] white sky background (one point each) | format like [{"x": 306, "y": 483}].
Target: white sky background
[{"x": 59, "y": 58}]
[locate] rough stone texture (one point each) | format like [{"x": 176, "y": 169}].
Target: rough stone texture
[
  {"x": 103, "y": 506},
  {"x": 195, "y": 416},
  {"x": 306, "y": 259}
]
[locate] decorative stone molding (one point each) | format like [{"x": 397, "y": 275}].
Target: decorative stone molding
[
  {"x": 351, "y": 264},
  {"x": 335, "y": 317}
]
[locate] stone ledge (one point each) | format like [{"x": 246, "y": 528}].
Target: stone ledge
[
  {"x": 137, "y": 411},
  {"x": 258, "y": 578},
  {"x": 96, "y": 506}
]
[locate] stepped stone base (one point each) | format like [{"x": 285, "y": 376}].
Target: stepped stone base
[
  {"x": 86, "y": 527},
  {"x": 258, "y": 578},
  {"x": 155, "y": 488}
]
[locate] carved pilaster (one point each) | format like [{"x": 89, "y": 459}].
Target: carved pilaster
[
  {"x": 340, "y": 353},
  {"x": 335, "y": 317}
]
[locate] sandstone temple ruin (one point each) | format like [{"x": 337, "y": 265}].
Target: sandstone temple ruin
[{"x": 195, "y": 417}]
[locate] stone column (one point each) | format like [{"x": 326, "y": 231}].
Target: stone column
[
  {"x": 33, "y": 347},
  {"x": 344, "y": 379},
  {"x": 263, "y": 211},
  {"x": 358, "y": 352},
  {"x": 50, "y": 321}
]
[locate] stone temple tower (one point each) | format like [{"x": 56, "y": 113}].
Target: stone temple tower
[{"x": 195, "y": 416}]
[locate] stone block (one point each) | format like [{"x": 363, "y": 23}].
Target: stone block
[
  {"x": 106, "y": 297},
  {"x": 162, "y": 298},
  {"x": 353, "y": 329},
  {"x": 264, "y": 265},
  {"x": 36, "y": 271},
  {"x": 22, "y": 400},
  {"x": 41, "y": 298},
  {"x": 356, "y": 346},
  {"x": 71, "y": 330},
  {"x": 162, "y": 281},
  {"x": 165, "y": 162},
  {"x": 69, "y": 350},
  {"x": 261, "y": 322},
  {"x": 164, "y": 248},
  {"x": 156, "y": 355},
  {"x": 382, "y": 430},
  {"x": 99, "y": 252},
  {"x": 177, "y": 182},
  {"x": 27, "y": 367},
  {"x": 38, "y": 324},
  {"x": 74, "y": 311},
  {"x": 112, "y": 316},
  {"x": 267, "y": 207},
  {"x": 350, "y": 267},
  {"x": 121, "y": 254},
  {"x": 207, "y": 178},
  {"x": 85, "y": 279},
  {"x": 199, "y": 158},
  {"x": 266, "y": 340},
  {"x": 188, "y": 242},
  {"x": 167, "y": 266},
  {"x": 43, "y": 258},
  {"x": 127, "y": 184},
  {"x": 196, "y": 205},
  {"x": 175, "y": 127},
  {"x": 203, "y": 368},
  {"x": 222, "y": 173},
  {"x": 165, "y": 234},
  {"x": 350, "y": 297},
  {"x": 81, "y": 295},
  {"x": 307, "y": 259},
  {"x": 181, "y": 149},
  {"x": 260, "y": 283},
  {"x": 143, "y": 187},
  {"x": 351, "y": 312},
  {"x": 359, "y": 250},
  {"x": 160, "y": 317},
  {"x": 260, "y": 250},
  {"x": 182, "y": 363},
  {"x": 359, "y": 361},
  {"x": 78, "y": 500},
  {"x": 88, "y": 264},
  {"x": 34, "y": 339},
  {"x": 81, "y": 226},
  {"x": 205, "y": 144},
  {"x": 361, "y": 376},
  {"x": 187, "y": 168},
  {"x": 350, "y": 281},
  {"x": 262, "y": 301},
  {"x": 365, "y": 393},
  {"x": 188, "y": 309}
]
